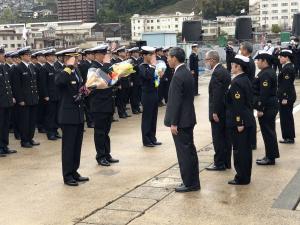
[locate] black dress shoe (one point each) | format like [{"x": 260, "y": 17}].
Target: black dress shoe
[
  {"x": 123, "y": 117},
  {"x": 161, "y": 104},
  {"x": 235, "y": 182},
  {"x": 266, "y": 162},
  {"x": 71, "y": 183},
  {"x": 157, "y": 143},
  {"x": 58, "y": 136},
  {"x": 9, "y": 151},
  {"x": 52, "y": 138},
  {"x": 42, "y": 131},
  {"x": 149, "y": 145},
  {"x": 26, "y": 145},
  {"x": 261, "y": 159},
  {"x": 81, "y": 179},
  {"x": 287, "y": 141},
  {"x": 135, "y": 112},
  {"x": 115, "y": 120},
  {"x": 2, "y": 153},
  {"x": 183, "y": 189},
  {"x": 228, "y": 167},
  {"x": 127, "y": 115},
  {"x": 34, "y": 143},
  {"x": 103, "y": 162},
  {"x": 215, "y": 168},
  {"x": 17, "y": 137},
  {"x": 112, "y": 160},
  {"x": 91, "y": 125}
]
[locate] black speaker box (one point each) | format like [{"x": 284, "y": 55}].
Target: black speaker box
[
  {"x": 243, "y": 29},
  {"x": 296, "y": 25},
  {"x": 192, "y": 31}
]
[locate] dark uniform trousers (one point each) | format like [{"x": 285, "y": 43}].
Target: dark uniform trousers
[
  {"x": 102, "y": 128},
  {"x": 27, "y": 120},
  {"x": 242, "y": 153},
  {"x": 71, "y": 149},
  {"x": 254, "y": 135},
  {"x": 287, "y": 121},
  {"x": 135, "y": 97},
  {"x": 120, "y": 102},
  {"x": 268, "y": 129},
  {"x": 51, "y": 123},
  {"x": 4, "y": 126},
  {"x": 187, "y": 156},
  {"x": 149, "y": 117},
  {"x": 163, "y": 90},
  {"x": 15, "y": 120},
  {"x": 221, "y": 143}
]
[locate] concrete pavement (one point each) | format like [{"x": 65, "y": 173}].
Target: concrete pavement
[{"x": 139, "y": 190}]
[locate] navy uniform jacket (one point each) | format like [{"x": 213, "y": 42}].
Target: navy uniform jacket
[
  {"x": 101, "y": 100},
  {"x": 168, "y": 73},
  {"x": 218, "y": 86},
  {"x": 250, "y": 69},
  {"x": 265, "y": 90},
  {"x": 147, "y": 77},
  {"x": 135, "y": 77},
  {"x": 47, "y": 82},
  {"x": 180, "y": 108},
  {"x": 6, "y": 95},
  {"x": 38, "y": 69},
  {"x": 194, "y": 59},
  {"x": 70, "y": 112},
  {"x": 239, "y": 102},
  {"x": 58, "y": 66},
  {"x": 286, "y": 87},
  {"x": 84, "y": 67},
  {"x": 25, "y": 84}
]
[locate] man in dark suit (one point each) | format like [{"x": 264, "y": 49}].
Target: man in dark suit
[
  {"x": 70, "y": 117},
  {"x": 194, "y": 66},
  {"x": 26, "y": 93},
  {"x": 181, "y": 118},
  {"x": 246, "y": 50},
  {"x": 6, "y": 103},
  {"x": 218, "y": 86}
]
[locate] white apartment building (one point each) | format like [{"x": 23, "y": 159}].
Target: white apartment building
[
  {"x": 158, "y": 23},
  {"x": 279, "y": 12}
]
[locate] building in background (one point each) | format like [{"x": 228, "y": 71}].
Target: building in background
[
  {"x": 266, "y": 13},
  {"x": 158, "y": 23},
  {"x": 84, "y": 10}
]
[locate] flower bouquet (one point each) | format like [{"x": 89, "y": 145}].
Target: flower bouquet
[
  {"x": 160, "y": 70},
  {"x": 123, "y": 69},
  {"x": 98, "y": 79}
]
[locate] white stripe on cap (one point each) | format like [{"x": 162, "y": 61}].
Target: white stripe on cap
[
  {"x": 288, "y": 51},
  {"x": 263, "y": 52},
  {"x": 148, "y": 49},
  {"x": 243, "y": 58}
]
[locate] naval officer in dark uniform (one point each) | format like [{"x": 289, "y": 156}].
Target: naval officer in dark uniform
[
  {"x": 71, "y": 117},
  {"x": 287, "y": 96},
  {"x": 50, "y": 94},
  {"x": 240, "y": 120},
  {"x": 246, "y": 49},
  {"x": 266, "y": 104},
  {"x": 149, "y": 98},
  {"x": 181, "y": 118},
  {"x": 26, "y": 93},
  {"x": 6, "y": 103},
  {"x": 102, "y": 109},
  {"x": 194, "y": 66}
]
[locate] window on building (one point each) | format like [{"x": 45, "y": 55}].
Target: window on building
[
  {"x": 274, "y": 11},
  {"x": 19, "y": 37},
  {"x": 264, "y": 12},
  {"x": 265, "y": 5},
  {"x": 4, "y": 38},
  {"x": 12, "y": 45},
  {"x": 294, "y": 10},
  {"x": 148, "y": 21},
  {"x": 284, "y": 17},
  {"x": 176, "y": 19},
  {"x": 176, "y": 26},
  {"x": 152, "y": 27},
  {"x": 158, "y": 27},
  {"x": 294, "y": 3},
  {"x": 151, "y": 21},
  {"x": 138, "y": 21},
  {"x": 275, "y": 18},
  {"x": 19, "y": 45},
  {"x": 274, "y": 5},
  {"x": 12, "y": 38},
  {"x": 158, "y": 21},
  {"x": 284, "y": 11},
  {"x": 284, "y": 4}
]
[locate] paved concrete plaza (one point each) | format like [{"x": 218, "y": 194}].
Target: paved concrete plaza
[{"x": 140, "y": 189}]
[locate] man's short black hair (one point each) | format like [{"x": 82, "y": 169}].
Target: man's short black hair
[{"x": 178, "y": 53}]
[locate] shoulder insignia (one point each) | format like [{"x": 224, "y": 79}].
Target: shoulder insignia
[
  {"x": 265, "y": 84},
  {"x": 238, "y": 119},
  {"x": 237, "y": 95},
  {"x": 286, "y": 77}
]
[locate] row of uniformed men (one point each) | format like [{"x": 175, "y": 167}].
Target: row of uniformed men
[{"x": 266, "y": 93}]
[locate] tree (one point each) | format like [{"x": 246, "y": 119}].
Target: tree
[
  {"x": 276, "y": 28},
  {"x": 7, "y": 16}
]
